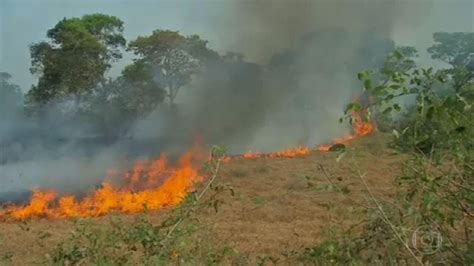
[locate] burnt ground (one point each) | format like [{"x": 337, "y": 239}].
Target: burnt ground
[{"x": 279, "y": 205}]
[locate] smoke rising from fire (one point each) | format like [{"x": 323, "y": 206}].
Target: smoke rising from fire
[
  {"x": 267, "y": 27},
  {"x": 300, "y": 59}
]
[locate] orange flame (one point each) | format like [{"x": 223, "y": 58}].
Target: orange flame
[
  {"x": 286, "y": 153},
  {"x": 152, "y": 184},
  {"x": 360, "y": 128},
  {"x": 340, "y": 140}
]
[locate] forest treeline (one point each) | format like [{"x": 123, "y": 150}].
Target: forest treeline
[{"x": 73, "y": 87}]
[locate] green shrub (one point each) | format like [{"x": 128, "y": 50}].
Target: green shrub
[{"x": 430, "y": 220}]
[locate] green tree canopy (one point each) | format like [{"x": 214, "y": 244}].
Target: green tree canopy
[
  {"x": 401, "y": 59},
  {"x": 171, "y": 58},
  {"x": 76, "y": 57},
  {"x": 113, "y": 105},
  {"x": 456, "y": 49},
  {"x": 136, "y": 91}
]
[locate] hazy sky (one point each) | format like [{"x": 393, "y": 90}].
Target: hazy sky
[{"x": 23, "y": 22}]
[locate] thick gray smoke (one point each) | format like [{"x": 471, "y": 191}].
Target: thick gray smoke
[
  {"x": 306, "y": 55},
  {"x": 266, "y": 27},
  {"x": 298, "y": 69}
]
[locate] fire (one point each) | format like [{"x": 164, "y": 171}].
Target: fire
[
  {"x": 285, "y": 153},
  {"x": 360, "y": 128},
  {"x": 151, "y": 185},
  {"x": 340, "y": 140}
]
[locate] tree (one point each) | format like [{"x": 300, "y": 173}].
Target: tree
[
  {"x": 113, "y": 105},
  {"x": 171, "y": 58},
  {"x": 456, "y": 49},
  {"x": 11, "y": 97},
  {"x": 76, "y": 57},
  {"x": 136, "y": 91},
  {"x": 401, "y": 59},
  {"x": 436, "y": 183}
]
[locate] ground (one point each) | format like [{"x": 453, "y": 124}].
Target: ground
[{"x": 279, "y": 206}]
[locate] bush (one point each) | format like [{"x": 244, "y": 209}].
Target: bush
[{"x": 430, "y": 220}]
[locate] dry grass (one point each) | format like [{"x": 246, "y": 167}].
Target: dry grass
[{"x": 272, "y": 213}]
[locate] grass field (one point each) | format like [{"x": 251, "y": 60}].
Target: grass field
[{"x": 279, "y": 207}]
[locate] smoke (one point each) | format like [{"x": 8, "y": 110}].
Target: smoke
[
  {"x": 268, "y": 27},
  {"x": 297, "y": 71},
  {"x": 68, "y": 174}
]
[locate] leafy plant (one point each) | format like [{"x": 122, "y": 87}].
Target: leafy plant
[{"x": 430, "y": 220}]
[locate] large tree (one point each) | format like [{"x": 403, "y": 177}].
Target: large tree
[
  {"x": 76, "y": 57},
  {"x": 456, "y": 49},
  {"x": 171, "y": 58},
  {"x": 135, "y": 92},
  {"x": 113, "y": 105}
]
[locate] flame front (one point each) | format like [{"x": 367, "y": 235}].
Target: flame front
[
  {"x": 360, "y": 128},
  {"x": 151, "y": 184},
  {"x": 285, "y": 153}
]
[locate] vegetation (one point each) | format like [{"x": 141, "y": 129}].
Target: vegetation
[
  {"x": 430, "y": 219},
  {"x": 170, "y": 58},
  {"x": 140, "y": 241},
  {"x": 76, "y": 58}
]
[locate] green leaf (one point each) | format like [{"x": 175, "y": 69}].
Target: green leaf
[
  {"x": 378, "y": 90},
  {"x": 362, "y": 75},
  {"x": 397, "y": 54},
  {"x": 396, "y": 107},
  {"x": 218, "y": 151},
  {"x": 387, "y": 110},
  {"x": 389, "y": 97},
  {"x": 430, "y": 112},
  {"x": 394, "y": 86},
  {"x": 460, "y": 129},
  {"x": 354, "y": 106},
  {"x": 367, "y": 84},
  {"x": 442, "y": 78}
]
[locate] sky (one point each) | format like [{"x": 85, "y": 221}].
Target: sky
[{"x": 23, "y": 22}]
